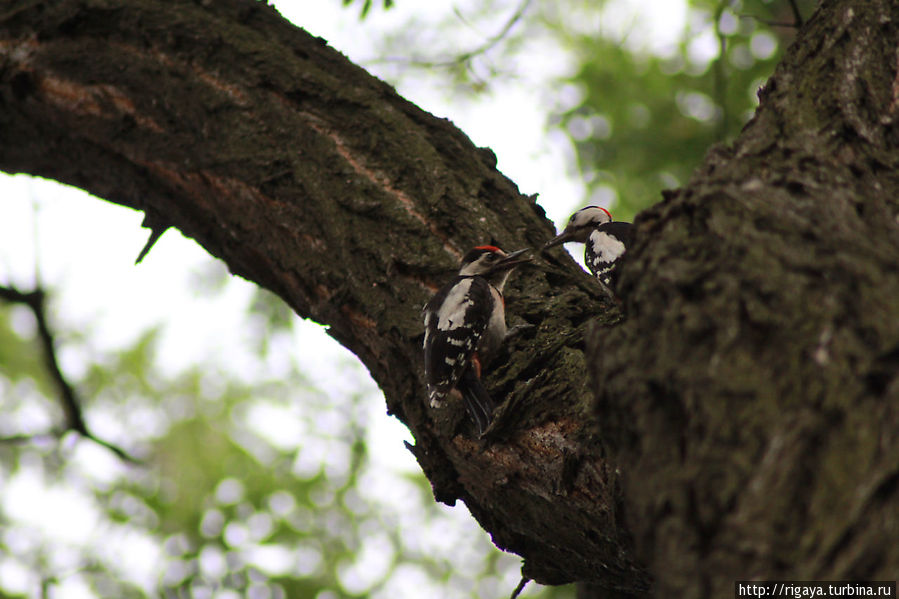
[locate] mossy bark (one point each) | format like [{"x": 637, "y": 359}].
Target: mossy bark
[
  {"x": 751, "y": 380},
  {"x": 317, "y": 181}
]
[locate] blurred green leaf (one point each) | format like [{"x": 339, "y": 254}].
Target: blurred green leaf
[
  {"x": 20, "y": 354},
  {"x": 644, "y": 121},
  {"x": 366, "y": 6}
]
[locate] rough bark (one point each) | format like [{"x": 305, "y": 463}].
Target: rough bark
[
  {"x": 317, "y": 181},
  {"x": 759, "y": 437},
  {"x": 751, "y": 383}
]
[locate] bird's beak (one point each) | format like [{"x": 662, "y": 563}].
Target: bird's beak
[
  {"x": 512, "y": 260},
  {"x": 559, "y": 239}
]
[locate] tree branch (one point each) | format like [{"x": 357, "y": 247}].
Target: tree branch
[
  {"x": 315, "y": 180},
  {"x": 71, "y": 404}
]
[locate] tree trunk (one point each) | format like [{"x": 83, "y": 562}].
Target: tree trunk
[
  {"x": 748, "y": 396},
  {"x": 751, "y": 395}
]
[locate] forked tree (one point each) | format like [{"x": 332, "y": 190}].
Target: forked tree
[{"x": 737, "y": 416}]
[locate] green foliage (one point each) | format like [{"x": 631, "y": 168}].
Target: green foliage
[
  {"x": 643, "y": 121},
  {"x": 366, "y": 6},
  {"x": 260, "y": 488},
  {"x": 20, "y": 356}
]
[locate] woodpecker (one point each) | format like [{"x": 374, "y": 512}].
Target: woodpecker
[
  {"x": 606, "y": 240},
  {"x": 465, "y": 323}
]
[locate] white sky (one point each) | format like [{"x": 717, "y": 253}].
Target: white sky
[{"x": 100, "y": 291}]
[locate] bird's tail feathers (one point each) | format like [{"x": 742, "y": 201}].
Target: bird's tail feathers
[{"x": 477, "y": 400}]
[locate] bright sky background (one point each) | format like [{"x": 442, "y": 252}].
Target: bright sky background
[{"x": 101, "y": 291}]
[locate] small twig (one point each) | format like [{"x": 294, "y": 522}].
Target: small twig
[
  {"x": 465, "y": 57},
  {"x": 27, "y": 439},
  {"x": 798, "y": 21},
  {"x": 797, "y": 16},
  {"x": 68, "y": 397},
  {"x": 155, "y": 234},
  {"x": 769, "y": 22},
  {"x": 520, "y": 587},
  {"x": 157, "y": 228},
  {"x": 719, "y": 72}
]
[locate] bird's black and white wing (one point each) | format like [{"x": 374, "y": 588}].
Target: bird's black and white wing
[
  {"x": 605, "y": 246},
  {"x": 455, "y": 319}
]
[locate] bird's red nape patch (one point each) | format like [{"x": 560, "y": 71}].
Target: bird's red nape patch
[
  {"x": 491, "y": 248},
  {"x": 604, "y": 210}
]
